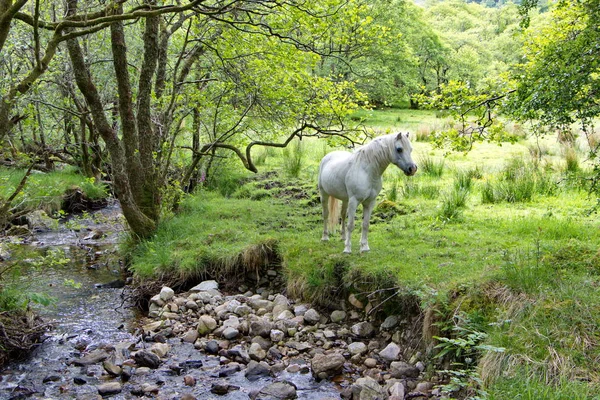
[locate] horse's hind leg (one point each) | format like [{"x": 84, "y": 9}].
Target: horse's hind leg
[
  {"x": 325, "y": 205},
  {"x": 344, "y": 211},
  {"x": 352, "y": 205},
  {"x": 367, "y": 210}
]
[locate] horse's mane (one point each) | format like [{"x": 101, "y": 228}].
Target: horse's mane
[{"x": 376, "y": 151}]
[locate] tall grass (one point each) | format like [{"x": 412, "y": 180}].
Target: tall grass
[
  {"x": 431, "y": 166},
  {"x": 293, "y": 158},
  {"x": 518, "y": 182}
]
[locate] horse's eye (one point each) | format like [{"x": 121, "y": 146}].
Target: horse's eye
[{"x": 399, "y": 149}]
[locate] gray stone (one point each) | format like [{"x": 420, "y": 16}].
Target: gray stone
[
  {"x": 363, "y": 329},
  {"x": 111, "y": 368},
  {"x": 277, "y": 335},
  {"x": 206, "y": 324},
  {"x": 338, "y": 316},
  {"x": 370, "y": 363},
  {"x": 239, "y": 352},
  {"x": 166, "y": 293},
  {"x": 254, "y": 370},
  {"x": 109, "y": 388},
  {"x": 190, "y": 336},
  {"x": 397, "y": 389},
  {"x": 160, "y": 349},
  {"x": 390, "y": 352},
  {"x": 278, "y": 391},
  {"x": 205, "y": 286},
  {"x": 357, "y": 348},
  {"x": 94, "y": 357},
  {"x": 300, "y": 310},
  {"x": 311, "y": 316},
  {"x": 145, "y": 358},
  {"x": 261, "y": 327},
  {"x": 327, "y": 364},
  {"x": 390, "y": 322},
  {"x": 367, "y": 388},
  {"x": 355, "y": 302},
  {"x": 232, "y": 322},
  {"x": 401, "y": 369},
  {"x": 230, "y": 333},
  {"x": 256, "y": 352},
  {"x": 284, "y": 315}
]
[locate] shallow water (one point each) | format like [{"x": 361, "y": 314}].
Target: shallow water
[{"x": 88, "y": 317}]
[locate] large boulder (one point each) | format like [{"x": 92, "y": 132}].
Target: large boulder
[{"x": 326, "y": 365}]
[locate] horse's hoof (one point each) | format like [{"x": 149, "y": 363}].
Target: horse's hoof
[
  {"x": 365, "y": 250},
  {"x": 324, "y": 239},
  {"x": 347, "y": 251}
]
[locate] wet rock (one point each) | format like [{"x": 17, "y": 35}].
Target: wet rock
[
  {"x": 160, "y": 349},
  {"x": 205, "y": 286},
  {"x": 223, "y": 388},
  {"x": 109, "y": 388},
  {"x": 149, "y": 388},
  {"x": 278, "y": 391},
  {"x": 189, "y": 380},
  {"x": 79, "y": 380},
  {"x": 312, "y": 317},
  {"x": 401, "y": 369},
  {"x": 188, "y": 396},
  {"x": 367, "y": 388},
  {"x": 190, "y": 364},
  {"x": 363, "y": 329},
  {"x": 146, "y": 358},
  {"x": 228, "y": 370},
  {"x": 153, "y": 327},
  {"x": 238, "y": 352},
  {"x": 51, "y": 378},
  {"x": 338, "y": 316},
  {"x": 94, "y": 357},
  {"x": 255, "y": 370},
  {"x": 206, "y": 324},
  {"x": 111, "y": 368},
  {"x": 324, "y": 365},
  {"x": 391, "y": 352}
]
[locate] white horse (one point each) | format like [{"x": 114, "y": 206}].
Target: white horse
[{"x": 355, "y": 178}]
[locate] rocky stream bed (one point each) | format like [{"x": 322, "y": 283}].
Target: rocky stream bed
[{"x": 206, "y": 343}]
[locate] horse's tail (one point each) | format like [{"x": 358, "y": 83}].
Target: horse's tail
[{"x": 334, "y": 213}]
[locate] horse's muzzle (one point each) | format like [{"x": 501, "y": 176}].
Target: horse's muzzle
[{"x": 411, "y": 170}]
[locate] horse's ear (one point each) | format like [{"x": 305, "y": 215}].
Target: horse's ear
[
  {"x": 407, "y": 134},
  {"x": 399, "y": 136}
]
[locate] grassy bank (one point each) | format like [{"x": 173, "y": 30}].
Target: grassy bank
[{"x": 496, "y": 245}]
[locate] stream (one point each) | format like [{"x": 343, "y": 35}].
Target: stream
[{"x": 81, "y": 265}]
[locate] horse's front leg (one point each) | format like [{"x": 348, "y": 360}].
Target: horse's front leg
[
  {"x": 367, "y": 210},
  {"x": 352, "y": 205}
]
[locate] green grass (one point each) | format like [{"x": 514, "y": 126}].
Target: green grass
[
  {"x": 525, "y": 273},
  {"x": 45, "y": 190}
]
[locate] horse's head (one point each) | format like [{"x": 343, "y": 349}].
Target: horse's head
[{"x": 401, "y": 154}]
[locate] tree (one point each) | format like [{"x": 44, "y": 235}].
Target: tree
[{"x": 241, "y": 69}]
